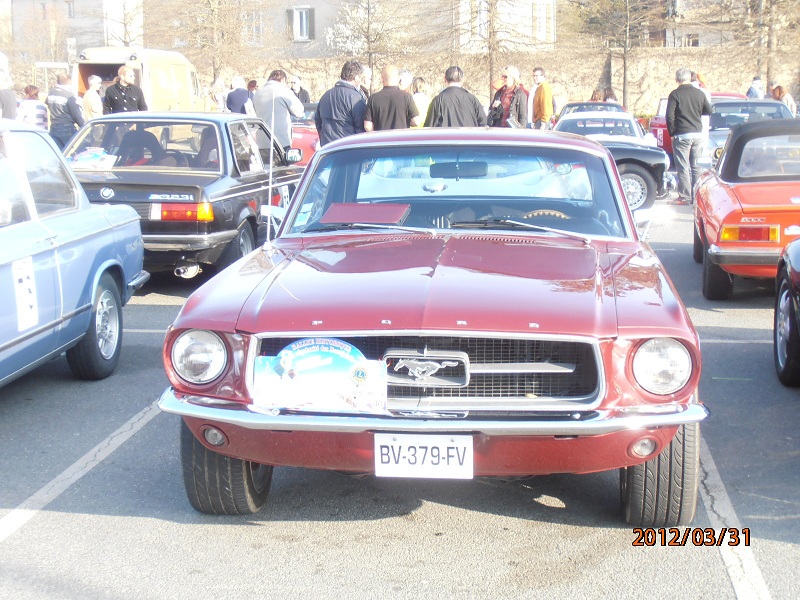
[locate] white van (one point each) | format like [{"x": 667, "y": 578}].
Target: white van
[{"x": 167, "y": 78}]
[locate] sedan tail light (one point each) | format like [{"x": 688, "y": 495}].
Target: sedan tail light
[
  {"x": 750, "y": 233},
  {"x": 202, "y": 211}
]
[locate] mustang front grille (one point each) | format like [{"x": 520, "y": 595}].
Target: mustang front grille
[{"x": 506, "y": 372}]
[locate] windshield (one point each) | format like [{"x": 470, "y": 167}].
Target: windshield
[
  {"x": 445, "y": 188},
  {"x": 725, "y": 115},
  {"x": 150, "y": 145},
  {"x": 596, "y": 126}
]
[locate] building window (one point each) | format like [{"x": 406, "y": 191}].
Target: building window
[
  {"x": 301, "y": 24},
  {"x": 254, "y": 27},
  {"x": 70, "y": 10}
]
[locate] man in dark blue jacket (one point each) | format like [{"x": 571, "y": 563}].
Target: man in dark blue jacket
[{"x": 340, "y": 111}]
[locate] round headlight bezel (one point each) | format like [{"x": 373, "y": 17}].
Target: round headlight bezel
[
  {"x": 217, "y": 363},
  {"x": 672, "y": 374}
]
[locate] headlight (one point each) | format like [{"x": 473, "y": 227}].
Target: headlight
[
  {"x": 662, "y": 366},
  {"x": 199, "y": 356}
]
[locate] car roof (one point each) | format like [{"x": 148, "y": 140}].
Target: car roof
[
  {"x": 212, "y": 117},
  {"x": 466, "y": 136},
  {"x": 595, "y": 114},
  {"x": 12, "y": 125},
  {"x": 746, "y": 101},
  {"x": 742, "y": 134}
]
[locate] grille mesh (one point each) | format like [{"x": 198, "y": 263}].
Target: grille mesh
[{"x": 580, "y": 383}]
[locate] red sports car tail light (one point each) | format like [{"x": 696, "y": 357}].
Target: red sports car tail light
[
  {"x": 750, "y": 233},
  {"x": 203, "y": 211}
]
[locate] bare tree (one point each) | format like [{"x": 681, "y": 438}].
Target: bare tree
[
  {"x": 623, "y": 25},
  {"x": 216, "y": 35}
]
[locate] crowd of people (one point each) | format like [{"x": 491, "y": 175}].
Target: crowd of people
[{"x": 349, "y": 107}]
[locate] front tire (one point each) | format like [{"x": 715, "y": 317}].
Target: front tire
[
  {"x": 697, "y": 246},
  {"x": 663, "y": 491},
  {"x": 717, "y": 284},
  {"x": 220, "y": 485},
  {"x": 786, "y": 340},
  {"x": 97, "y": 354},
  {"x": 638, "y": 185}
]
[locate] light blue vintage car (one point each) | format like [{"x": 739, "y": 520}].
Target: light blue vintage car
[{"x": 67, "y": 267}]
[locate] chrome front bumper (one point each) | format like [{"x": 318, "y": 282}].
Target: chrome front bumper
[
  {"x": 759, "y": 257},
  {"x": 597, "y": 423}
]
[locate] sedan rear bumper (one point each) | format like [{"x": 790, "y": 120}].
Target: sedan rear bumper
[
  {"x": 760, "y": 257},
  {"x": 187, "y": 243},
  {"x": 591, "y": 423}
]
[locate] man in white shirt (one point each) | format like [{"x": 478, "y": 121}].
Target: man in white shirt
[{"x": 275, "y": 103}]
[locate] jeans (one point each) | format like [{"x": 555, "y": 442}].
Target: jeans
[{"x": 686, "y": 152}]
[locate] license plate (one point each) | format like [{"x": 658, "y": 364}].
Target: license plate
[{"x": 424, "y": 456}]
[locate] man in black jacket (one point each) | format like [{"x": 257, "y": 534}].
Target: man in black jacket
[
  {"x": 455, "y": 106},
  {"x": 125, "y": 96},
  {"x": 341, "y": 109},
  {"x": 685, "y": 107}
]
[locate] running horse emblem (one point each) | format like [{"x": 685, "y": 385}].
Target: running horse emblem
[{"x": 422, "y": 369}]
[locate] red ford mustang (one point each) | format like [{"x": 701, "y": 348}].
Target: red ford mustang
[
  {"x": 443, "y": 304},
  {"x": 748, "y": 207}
]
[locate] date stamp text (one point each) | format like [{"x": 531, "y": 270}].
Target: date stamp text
[{"x": 690, "y": 536}]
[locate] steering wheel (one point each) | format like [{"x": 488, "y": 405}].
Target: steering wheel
[{"x": 546, "y": 212}]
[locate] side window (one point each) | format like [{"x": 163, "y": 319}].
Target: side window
[
  {"x": 245, "y": 149},
  {"x": 15, "y": 189},
  {"x": 265, "y": 146},
  {"x": 50, "y": 184}
]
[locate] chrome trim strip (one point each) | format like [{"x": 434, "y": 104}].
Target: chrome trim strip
[
  {"x": 187, "y": 242},
  {"x": 759, "y": 257},
  {"x": 44, "y": 328},
  {"x": 210, "y": 410},
  {"x": 521, "y": 368}
]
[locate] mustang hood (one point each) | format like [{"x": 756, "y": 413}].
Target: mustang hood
[{"x": 471, "y": 283}]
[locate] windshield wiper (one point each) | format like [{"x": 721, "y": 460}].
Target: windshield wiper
[
  {"x": 500, "y": 223},
  {"x": 323, "y": 227}
]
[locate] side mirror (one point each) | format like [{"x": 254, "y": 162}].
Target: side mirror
[{"x": 294, "y": 155}]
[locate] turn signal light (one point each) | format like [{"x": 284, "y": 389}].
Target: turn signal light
[
  {"x": 750, "y": 233},
  {"x": 203, "y": 211}
]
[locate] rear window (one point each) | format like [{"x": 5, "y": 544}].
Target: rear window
[
  {"x": 776, "y": 157},
  {"x": 148, "y": 145}
]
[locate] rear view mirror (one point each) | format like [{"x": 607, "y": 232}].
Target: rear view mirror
[{"x": 458, "y": 170}]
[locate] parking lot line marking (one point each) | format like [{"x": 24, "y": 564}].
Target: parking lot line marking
[
  {"x": 52, "y": 490},
  {"x": 702, "y": 341},
  {"x": 748, "y": 583},
  {"x": 161, "y": 331}
]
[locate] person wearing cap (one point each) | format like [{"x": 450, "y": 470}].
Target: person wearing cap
[
  {"x": 92, "y": 102},
  {"x": 509, "y": 107}
]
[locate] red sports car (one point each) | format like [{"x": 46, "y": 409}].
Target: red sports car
[
  {"x": 446, "y": 304},
  {"x": 748, "y": 207}
]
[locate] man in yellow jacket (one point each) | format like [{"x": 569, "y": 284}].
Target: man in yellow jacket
[{"x": 542, "y": 101}]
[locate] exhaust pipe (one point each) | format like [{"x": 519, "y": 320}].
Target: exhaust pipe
[{"x": 187, "y": 270}]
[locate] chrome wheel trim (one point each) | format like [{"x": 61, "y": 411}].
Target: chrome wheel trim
[
  {"x": 107, "y": 324},
  {"x": 635, "y": 189},
  {"x": 783, "y": 328}
]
